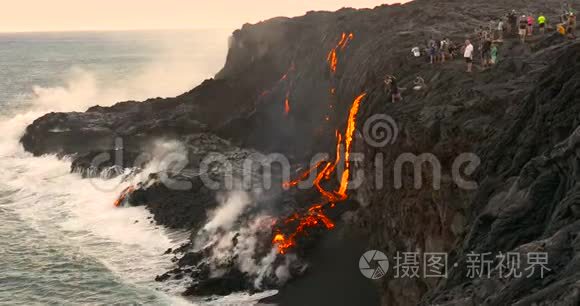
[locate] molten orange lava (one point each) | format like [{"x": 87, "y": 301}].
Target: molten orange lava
[
  {"x": 124, "y": 194},
  {"x": 345, "y": 40},
  {"x": 315, "y": 215},
  {"x": 287, "y": 104},
  {"x": 332, "y": 57},
  {"x": 301, "y": 177},
  {"x": 289, "y": 88},
  {"x": 332, "y": 60},
  {"x": 351, "y": 127}
]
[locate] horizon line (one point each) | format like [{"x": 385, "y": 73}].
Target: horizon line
[
  {"x": 112, "y": 30},
  {"x": 232, "y": 28}
]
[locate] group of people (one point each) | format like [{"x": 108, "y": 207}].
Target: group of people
[
  {"x": 437, "y": 51},
  {"x": 487, "y": 45},
  {"x": 488, "y": 49},
  {"x": 488, "y": 40},
  {"x": 569, "y": 26},
  {"x": 393, "y": 86},
  {"x": 488, "y": 53},
  {"x": 568, "y": 21},
  {"x": 525, "y": 23},
  {"x": 441, "y": 51}
]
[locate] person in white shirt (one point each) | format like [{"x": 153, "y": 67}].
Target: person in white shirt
[
  {"x": 468, "y": 55},
  {"x": 416, "y": 51}
]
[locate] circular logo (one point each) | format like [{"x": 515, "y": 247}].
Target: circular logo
[
  {"x": 374, "y": 264},
  {"x": 380, "y": 130}
]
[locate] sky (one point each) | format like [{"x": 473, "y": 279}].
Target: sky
[{"x": 79, "y": 15}]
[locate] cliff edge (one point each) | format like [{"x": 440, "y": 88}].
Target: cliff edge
[{"x": 289, "y": 84}]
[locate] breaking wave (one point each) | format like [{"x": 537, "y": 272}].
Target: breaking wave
[{"x": 53, "y": 210}]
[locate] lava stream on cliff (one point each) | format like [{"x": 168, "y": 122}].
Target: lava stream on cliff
[
  {"x": 315, "y": 215},
  {"x": 284, "y": 78},
  {"x": 332, "y": 57},
  {"x": 287, "y": 103},
  {"x": 305, "y": 175},
  {"x": 289, "y": 88}
]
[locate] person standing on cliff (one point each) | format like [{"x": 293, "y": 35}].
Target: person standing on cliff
[
  {"x": 571, "y": 26},
  {"x": 432, "y": 49},
  {"x": 530, "y": 25},
  {"x": 485, "y": 52},
  {"x": 444, "y": 50},
  {"x": 391, "y": 83},
  {"x": 512, "y": 22},
  {"x": 523, "y": 28},
  {"x": 468, "y": 55},
  {"x": 494, "y": 54},
  {"x": 500, "y": 29},
  {"x": 542, "y": 23}
]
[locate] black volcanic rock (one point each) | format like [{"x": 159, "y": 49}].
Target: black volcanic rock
[
  {"x": 526, "y": 201},
  {"x": 232, "y": 281},
  {"x": 177, "y": 208}
]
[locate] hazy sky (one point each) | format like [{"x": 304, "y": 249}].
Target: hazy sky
[{"x": 59, "y": 15}]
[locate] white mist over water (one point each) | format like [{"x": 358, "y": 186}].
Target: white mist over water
[
  {"x": 68, "y": 226},
  {"x": 226, "y": 225}
]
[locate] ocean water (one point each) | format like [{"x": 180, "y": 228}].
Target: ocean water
[{"x": 61, "y": 240}]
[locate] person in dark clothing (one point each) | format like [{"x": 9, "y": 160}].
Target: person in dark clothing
[
  {"x": 391, "y": 83},
  {"x": 571, "y": 26},
  {"x": 512, "y": 22},
  {"x": 486, "y": 52},
  {"x": 432, "y": 50},
  {"x": 454, "y": 50}
]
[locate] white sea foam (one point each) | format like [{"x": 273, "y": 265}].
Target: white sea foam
[{"x": 72, "y": 212}]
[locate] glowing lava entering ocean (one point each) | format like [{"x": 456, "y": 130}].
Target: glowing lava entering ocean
[{"x": 315, "y": 215}]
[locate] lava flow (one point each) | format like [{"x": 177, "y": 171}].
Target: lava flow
[
  {"x": 332, "y": 57},
  {"x": 289, "y": 88},
  {"x": 284, "y": 78},
  {"x": 302, "y": 177},
  {"x": 315, "y": 215},
  {"x": 124, "y": 194},
  {"x": 287, "y": 103}
]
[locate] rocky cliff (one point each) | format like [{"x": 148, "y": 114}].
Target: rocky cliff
[{"x": 289, "y": 84}]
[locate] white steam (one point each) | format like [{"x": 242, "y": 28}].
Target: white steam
[
  {"x": 227, "y": 213},
  {"x": 180, "y": 63},
  {"x": 231, "y": 238},
  {"x": 178, "y": 66},
  {"x": 167, "y": 155}
]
